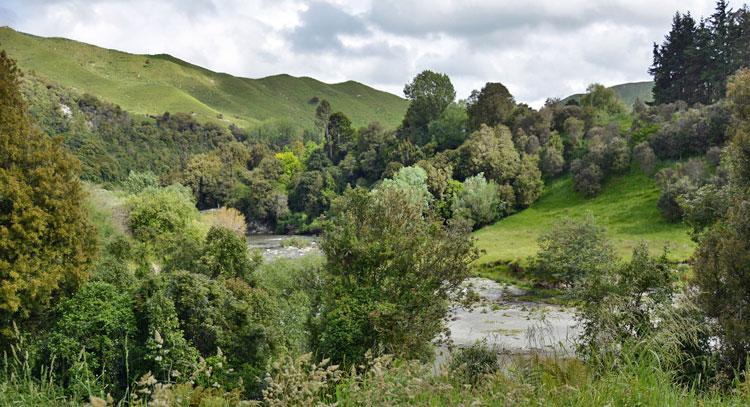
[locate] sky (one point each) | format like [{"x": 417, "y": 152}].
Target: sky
[{"x": 537, "y": 48}]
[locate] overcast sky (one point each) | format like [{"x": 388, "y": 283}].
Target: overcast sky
[{"x": 538, "y": 49}]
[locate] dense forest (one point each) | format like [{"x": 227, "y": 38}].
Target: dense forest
[{"x": 126, "y": 277}]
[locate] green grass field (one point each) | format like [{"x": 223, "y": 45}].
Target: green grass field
[
  {"x": 626, "y": 207},
  {"x": 627, "y": 92},
  {"x": 154, "y": 84}
]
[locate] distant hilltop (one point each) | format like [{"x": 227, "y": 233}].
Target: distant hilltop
[{"x": 154, "y": 84}]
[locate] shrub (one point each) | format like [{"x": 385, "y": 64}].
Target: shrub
[
  {"x": 587, "y": 178},
  {"x": 572, "y": 250},
  {"x": 93, "y": 334},
  {"x": 620, "y": 303},
  {"x": 159, "y": 215},
  {"x": 390, "y": 269},
  {"x": 228, "y": 218},
  {"x": 472, "y": 364},
  {"x": 645, "y": 157},
  {"x": 226, "y": 254}
]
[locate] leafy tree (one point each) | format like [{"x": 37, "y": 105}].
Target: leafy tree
[
  {"x": 291, "y": 166},
  {"x": 724, "y": 248},
  {"x": 409, "y": 182},
  {"x": 552, "y": 157},
  {"x": 310, "y": 195},
  {"x": 587, "y": 178},
  {"x": 573, "y": 250},
  {"x": 226, "y": 254},
  {"x": 138, "y": 181},
  {"x": 449, "y": 130},
  {"x": 46, "y": 242},
  {"x": 340, "y": 134},
  {"x": 600, "y": 98},
  {"x": 160, "y": 215},
  {"x": 206, "y": 177},
  {"x": 259, "y": 199},
  {"x": 492, "y": 105},
  {"x": 390, "y": 270},
  {"x": 645, "y": 157},
  {"x": 528, "y": 185},
  {"x": 430, "y": 94},
  {"x": 167, "y": 353},
  {"x": 322, "y": 117},
  {"x": 489, "y": 150},
  {"x": 228, "y": 314},
  {"x": 479, "y": 201}
]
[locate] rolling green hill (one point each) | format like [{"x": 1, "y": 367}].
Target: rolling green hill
[
  {"x": 627, "y": 92},
  {"x": 626, "y": 207},
  {"x": 153, "y": 84}
]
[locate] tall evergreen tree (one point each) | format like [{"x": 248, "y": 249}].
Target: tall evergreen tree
[{"x": 45, "y": 239}]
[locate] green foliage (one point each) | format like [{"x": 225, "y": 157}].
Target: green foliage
[
  {"x": 166, "y": 354},
  {"x": 389, "y": 272},
  {"x": 490, "y": 151},
  {"x": 449, "y": 130},
  {"x": 158, "y": 216},
  {"x": 226, "y": 254},
  {"x": 695, "y": 59},
  {"x": 724, "y": 248},
  {"x": 475, "y": 363},
  {"x": 93, "y": 334},
  {"x": 601, "y": 99},
  {"x": 572, "y": 251},
  {"x": 621, "y": 303},
  {"x": 46, "y": 242},
  {"x": 429, "y": 93},
  {"x": 491, "y": 106},
  {"x": 479, "y": 201},
  {"x": 411, "y": 183},
  {"x": 138, "y": 181},
  {"x": 528, "y": 186}
]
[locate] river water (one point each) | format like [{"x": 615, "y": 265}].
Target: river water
[
  {"x": 274, "y": 247},
  {"x": 504, "y": 323}
]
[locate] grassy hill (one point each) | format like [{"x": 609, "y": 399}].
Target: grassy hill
[
  {"x": 627, "y": 92},
  {"x": 153, "y": 84},
  {"x": 626, "y": 207}
]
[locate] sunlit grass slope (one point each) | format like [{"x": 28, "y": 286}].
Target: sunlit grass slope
[
  {"x": 153, "y": 84},
  {"x": 626, "y": 207}
]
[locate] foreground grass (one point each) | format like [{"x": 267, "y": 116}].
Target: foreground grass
[
  {"x": 626, "y": 207},
  {"x": 154, "y": 84}
]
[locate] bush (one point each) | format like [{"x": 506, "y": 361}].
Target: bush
[
  {"x": 572, "y": 250},
  {"x": 390, "y": 269},
  {"x": 93, "y": 334},
  {"x": 160, "y": 215},
  {"x": 587, "y": 178},
  {"x": 621, "y": 303},
  {"x": 225, "y": 254},
  {"x": 472, "y": 364}
]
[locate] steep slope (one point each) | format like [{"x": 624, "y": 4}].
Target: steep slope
[
  {"x": 627, "y": 92},
  {"x": 626, "y": 207},
  {"x": 153, "y": 84}
]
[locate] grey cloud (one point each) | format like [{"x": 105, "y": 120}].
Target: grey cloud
[{"x": 322, "y": 24}]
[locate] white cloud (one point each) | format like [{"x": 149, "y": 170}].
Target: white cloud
[{"x": 538, "y": 49}]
